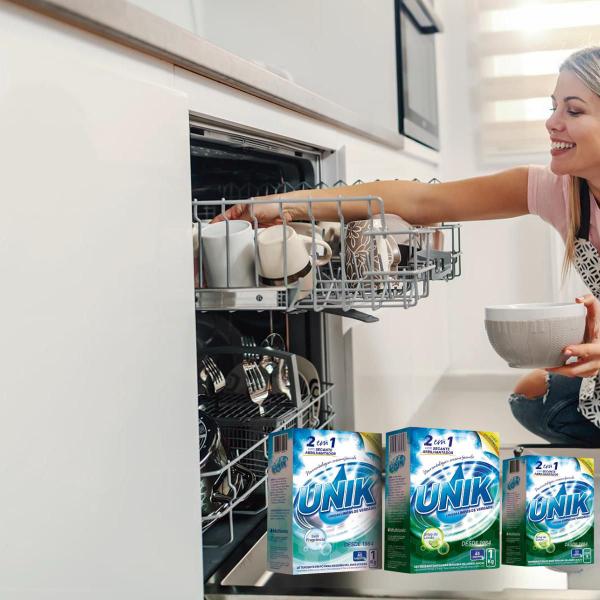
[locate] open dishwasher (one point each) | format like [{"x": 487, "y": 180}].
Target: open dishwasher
[{"x": 265, "y": 351}]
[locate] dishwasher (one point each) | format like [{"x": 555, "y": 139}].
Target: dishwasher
[{"x": 266, "y": 357}]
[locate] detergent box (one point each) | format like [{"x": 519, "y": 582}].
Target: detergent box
[
  {"x": 324, "y": 501},
  {"x": 548, "y": 511},
  {"x": 442, "y": 500}
]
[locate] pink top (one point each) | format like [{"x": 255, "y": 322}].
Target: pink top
[{"x": 548, "y": 197}]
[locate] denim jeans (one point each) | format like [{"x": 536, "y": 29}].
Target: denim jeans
[{"x": 554, "y": 416}]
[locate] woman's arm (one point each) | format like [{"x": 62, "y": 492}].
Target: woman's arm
[{"x": 497, "y": 196}]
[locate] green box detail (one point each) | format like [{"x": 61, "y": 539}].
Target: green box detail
[
  {"x": 442, "y": 509},
  {"x": 548, "y": 511}
]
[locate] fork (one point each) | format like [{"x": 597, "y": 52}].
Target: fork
[
  {"x": 256, "y": 383},
  {"x": 248, "y": 342},
  {"x": 211, "y": 375}
]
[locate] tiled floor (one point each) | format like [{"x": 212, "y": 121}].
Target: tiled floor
[{"x": 478, "y": 402}]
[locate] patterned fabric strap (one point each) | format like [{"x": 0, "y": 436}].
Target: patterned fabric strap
[
  {"x": 589, "y": 399},
  {"x": 587, "y": 263}
]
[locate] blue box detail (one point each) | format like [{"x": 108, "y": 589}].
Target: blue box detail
[
  {"x": 359, "y": 555},
  {"x": 478, "y": 554},
  {"x": 577, "y": 553}
]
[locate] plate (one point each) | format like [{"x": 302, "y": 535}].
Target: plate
[
  {"x": 310, "y": 384},
  {"x": 310, "y": 388}
]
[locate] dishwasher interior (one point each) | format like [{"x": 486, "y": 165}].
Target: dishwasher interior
[
  {"x": 266, "y": 357},
  {"x": 243, "y": 355}
]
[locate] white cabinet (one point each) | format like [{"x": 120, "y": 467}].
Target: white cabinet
[{"x": 98, "y": 434}]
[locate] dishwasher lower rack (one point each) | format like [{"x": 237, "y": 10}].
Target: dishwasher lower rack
[
  {"x": 245, "y": 432},
  {"x": 371, "y": 263}
]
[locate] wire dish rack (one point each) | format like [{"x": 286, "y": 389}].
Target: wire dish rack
[
  {"x": 244, "y": 428},
  {"x": 376, "y": 262}
]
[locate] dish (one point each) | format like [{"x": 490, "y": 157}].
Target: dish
[
  {"x": 310, "y": 388},
  {"x": 534, "y": 335}
]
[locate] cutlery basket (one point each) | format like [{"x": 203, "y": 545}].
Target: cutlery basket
[{"x": 245, "y": 430}]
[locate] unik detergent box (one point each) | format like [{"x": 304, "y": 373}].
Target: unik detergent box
[
  {"x": 548, "y": 511},
  {"x": 442, "y": 500},
  {"x": 324, "y": 501}
]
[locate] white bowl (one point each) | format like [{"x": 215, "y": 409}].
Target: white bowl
[
  {"x": 533, "y": 311},
  {"x": 534, "y": 335}
]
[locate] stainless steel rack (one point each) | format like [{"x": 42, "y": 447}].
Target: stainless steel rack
[
  {"x": 247, "y": 438},
  {"x": 340, "y": 284},
  {"x": 245, "y": 428}
]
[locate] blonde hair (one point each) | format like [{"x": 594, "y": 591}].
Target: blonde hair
[{"x": 585, "y": 64}]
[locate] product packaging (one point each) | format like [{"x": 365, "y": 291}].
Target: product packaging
[
  {"x": 442, "y": 500},
  {"x": 548, "y": 511},
  {"x": 324, "y": 501}
]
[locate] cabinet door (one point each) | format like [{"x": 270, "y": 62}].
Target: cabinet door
[{"x": 98, "y": 418}]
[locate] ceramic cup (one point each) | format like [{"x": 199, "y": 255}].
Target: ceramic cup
[
  {"x": 400, "y": 234},
  {"x": 235, "y": 241},
  {"x": 283, "y": 251},
  {"x": 195, "y": 226},
  {"x": 366, "y": 253},
  {"x": 331, "y": 234},
  {"x": 308, "y": 230}
]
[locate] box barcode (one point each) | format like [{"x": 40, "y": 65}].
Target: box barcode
[
  {"x": 280, "y": 443},
  {"x": 514, "y": 466},
  {"x": 397, "y": 442}
]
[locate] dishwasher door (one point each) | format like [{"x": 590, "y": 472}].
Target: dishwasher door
[{"x": 250, "y": 579}]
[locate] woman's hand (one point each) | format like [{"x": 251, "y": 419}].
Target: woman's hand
[
  {"x": 592, "y": 320},
  {"x": 265, "y": 214},
  {"x": 588, "y": 353},
  {"x": 588, "y": 361}
]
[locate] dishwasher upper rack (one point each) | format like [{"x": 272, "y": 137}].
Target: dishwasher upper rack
[{"x": 351, "y": 279}]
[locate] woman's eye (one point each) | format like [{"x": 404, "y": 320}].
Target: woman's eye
[
  {"x": 574, "y": 113},
  {"x": 552, "y": 109}
]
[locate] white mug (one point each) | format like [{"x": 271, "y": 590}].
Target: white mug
[
  {"x": 307, "y": 230},
  {"x": 279, "y": 240},
  {"x": 195, "y": 227},
  {"x": 240, "y": 251}
]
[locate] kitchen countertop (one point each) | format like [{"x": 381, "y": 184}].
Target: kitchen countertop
[{"x": 140, "y": 29}]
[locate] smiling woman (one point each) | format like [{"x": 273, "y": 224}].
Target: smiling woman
[{"x": 574, "y": 128}]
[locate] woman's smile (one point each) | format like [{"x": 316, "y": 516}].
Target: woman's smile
[{"x": 560, "y": 147}]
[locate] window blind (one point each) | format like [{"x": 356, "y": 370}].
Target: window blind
[{"x": 517, "y": 48}]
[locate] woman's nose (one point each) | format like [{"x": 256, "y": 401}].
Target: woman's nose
[{"x": 554, "y": 123}]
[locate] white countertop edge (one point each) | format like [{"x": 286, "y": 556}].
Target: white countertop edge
[{"x": 138, "y": 28}]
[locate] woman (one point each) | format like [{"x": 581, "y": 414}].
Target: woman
[{"x": 561, "y": 404}]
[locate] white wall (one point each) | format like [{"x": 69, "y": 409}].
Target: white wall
[
  {"x": 503, "y": 261},
  {"x": 180, "y": 12}
]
